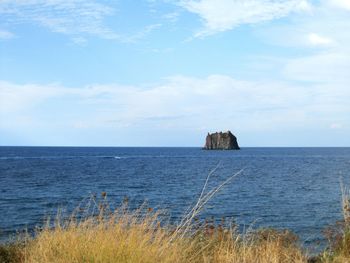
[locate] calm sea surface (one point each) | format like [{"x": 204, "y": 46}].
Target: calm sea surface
[{"x": 294, "y": 188}]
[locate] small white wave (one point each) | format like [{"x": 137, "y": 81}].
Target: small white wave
[{"x": 12, "y": 157}]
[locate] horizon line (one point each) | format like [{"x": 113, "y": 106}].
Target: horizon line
[{"x": 111, "y": 146}]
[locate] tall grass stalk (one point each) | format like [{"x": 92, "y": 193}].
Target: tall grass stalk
[{"x": 187, "y": 221}]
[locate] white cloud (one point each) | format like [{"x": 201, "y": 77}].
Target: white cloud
[
  {"x": 320, "y": 52},
  {"x": 6, "y": 35},
  {"x": 315, "y": 39},
  {"x": 172, "y": 17},
  {"x": 215, "y": 101},
  {"x": 341, "y": 4},
  {"x": 304, "y": 6},
  {"x": 76, "y": 18},
  {"x": 79, "y": 41},
  {"x": 179, "y": 106},
  {"x": 14, "y": 97},
  {"x": 141, "y": 34},
  {"x": 222, "y": 15},
  {"x": 330, "y": 67},
  {"x": 73, "y": 17}
]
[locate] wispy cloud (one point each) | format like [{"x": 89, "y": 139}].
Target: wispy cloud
[
  {"x": 215, "y": 101},
  {"x": 341, "y": 4},
  {"x": 328, "y": 67},
  {"x": 222, "y": 15},
  {"x": 171, "y": 17},
  {"x": 133, "y": 38},
  {"x": 79, "y": 41},
  {"x": 78, "y": 19},
  {"x": 6, "y": 35},
  {"x": 71, "y": 17},
  {"x": 316, "y": 39}
]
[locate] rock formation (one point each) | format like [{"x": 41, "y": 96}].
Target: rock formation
[{"x": 221, "y": 141}]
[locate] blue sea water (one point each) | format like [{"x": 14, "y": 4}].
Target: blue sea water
[{"x": 293, "y": 188}]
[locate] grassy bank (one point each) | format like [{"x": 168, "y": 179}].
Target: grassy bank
[
  {"x": 142, "y": 236},
  {"x": 98, "y": 233}
]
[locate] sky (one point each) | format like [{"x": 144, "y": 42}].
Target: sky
[{"x": 166, "y": 72}]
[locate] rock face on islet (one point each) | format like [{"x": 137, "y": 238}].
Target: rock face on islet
[{"x": 221, "y": 141}]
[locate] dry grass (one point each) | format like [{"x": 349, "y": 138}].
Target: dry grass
[
  {"x": 97, "y": 233},
  {"x": 123, "y": 236},
  {"x": 338, "y": 235},
  {"x": 12, "y": 253}
]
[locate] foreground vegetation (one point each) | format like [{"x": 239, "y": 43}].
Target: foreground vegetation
[
  {"x": 142, "y": 236},
  {"x": 98, "y": 233}
]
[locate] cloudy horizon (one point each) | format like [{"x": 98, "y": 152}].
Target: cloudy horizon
[{"x": 166, "y": 72}]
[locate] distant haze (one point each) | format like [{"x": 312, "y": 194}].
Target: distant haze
[{"x": 164, "y": 73}]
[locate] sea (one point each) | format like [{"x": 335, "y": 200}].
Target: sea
[{"x": 286, "y": 188}]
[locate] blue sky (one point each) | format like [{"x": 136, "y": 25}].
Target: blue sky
[{"x": 166, "y": 72}]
